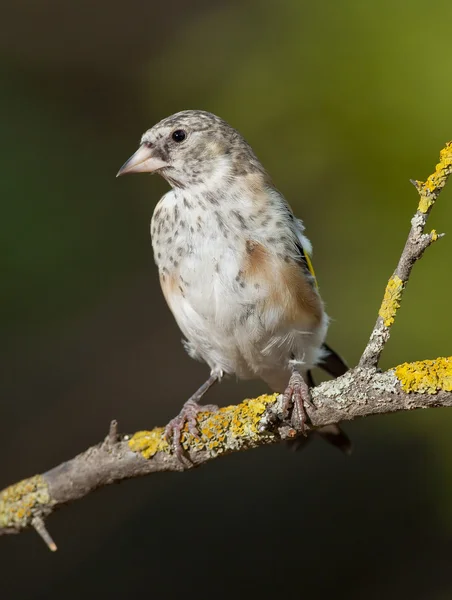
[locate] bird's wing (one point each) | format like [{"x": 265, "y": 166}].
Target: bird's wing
[
  {"x": 306, "y": 259},
  {"x": 304, "y": 248},
  {"x": 331, "y": 362}
]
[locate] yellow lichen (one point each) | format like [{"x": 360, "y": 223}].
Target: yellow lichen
[
  {"x": 19, "y": 501},
  {"x": 235, "y": 422},
  {"x": 425, "y": 203},
  {"x": 391, "y": 300},
  {"x": 437, "y": 180},
  {"x": 148, "y": 443},
  {"x": 434, "y": 235},
  {"x": 217, "y": 429},
  {"x": 426, "y": 376}
]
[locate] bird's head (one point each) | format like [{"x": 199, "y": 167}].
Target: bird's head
[{"x": 193, "y": 148}]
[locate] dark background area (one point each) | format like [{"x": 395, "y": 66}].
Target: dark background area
[{"x": 344, "y": 102}]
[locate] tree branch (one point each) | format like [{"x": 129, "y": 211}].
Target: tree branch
[
  {"x": 416, "y": 244},
  {"x": 361, "y": 392}
]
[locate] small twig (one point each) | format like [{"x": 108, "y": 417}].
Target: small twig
[
  {"x": 415, "y": 246},
  {"x": 39, "y": 525},
  {"x": 112, "y": 437}
]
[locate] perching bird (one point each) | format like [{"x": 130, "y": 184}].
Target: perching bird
[{"x": 234, "y": 266}]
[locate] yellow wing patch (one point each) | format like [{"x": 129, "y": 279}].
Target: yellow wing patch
[{"x": 310, "y": 267}]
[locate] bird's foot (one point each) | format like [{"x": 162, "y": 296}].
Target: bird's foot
[
  {"x": 297, "y": 396},
  {"x": 187, "y": 416}
]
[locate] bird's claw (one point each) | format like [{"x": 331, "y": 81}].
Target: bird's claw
[
  {"x": 186, "y": 417},
  {"x": 298, "y": 397}
]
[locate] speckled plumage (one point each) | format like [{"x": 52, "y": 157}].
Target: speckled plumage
[{"x": 230, "y": 253}]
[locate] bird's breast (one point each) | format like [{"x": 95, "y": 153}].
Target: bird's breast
[
  {"x": 195, "y": 254},
  {"x": 216, "y": 258}
]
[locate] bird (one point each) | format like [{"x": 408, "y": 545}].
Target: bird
[{"x": 235, "y": 268}]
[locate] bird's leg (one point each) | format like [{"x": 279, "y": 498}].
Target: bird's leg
[
  {"x": 187, "y": 416},
  {"x": 301, "y": 441},
  {"x": 297, "y": 396}
]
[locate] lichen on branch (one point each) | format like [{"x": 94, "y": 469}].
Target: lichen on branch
[
  {"x": 426, "y": 376},
  {"x": 415, "y": 246}
]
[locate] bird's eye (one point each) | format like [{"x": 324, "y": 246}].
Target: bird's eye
[{"x": 179, "y": 135}]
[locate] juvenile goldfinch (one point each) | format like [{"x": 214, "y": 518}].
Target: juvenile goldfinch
[{"x": 234, "y": 266}]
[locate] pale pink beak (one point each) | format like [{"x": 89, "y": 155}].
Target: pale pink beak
[{"x": 142, "y": 162}]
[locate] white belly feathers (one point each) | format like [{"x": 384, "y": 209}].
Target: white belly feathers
[{"x": 236, "y": 315}]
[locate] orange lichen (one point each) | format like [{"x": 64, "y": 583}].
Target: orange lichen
[
  {"x": 391, "y": 300},
  {"x": 426, "y": 376}
]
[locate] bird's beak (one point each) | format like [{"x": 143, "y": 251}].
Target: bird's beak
[{"x": 142, "y": 162}]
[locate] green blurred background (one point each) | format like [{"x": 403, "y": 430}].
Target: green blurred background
[{"x": 343, "y": 102}]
